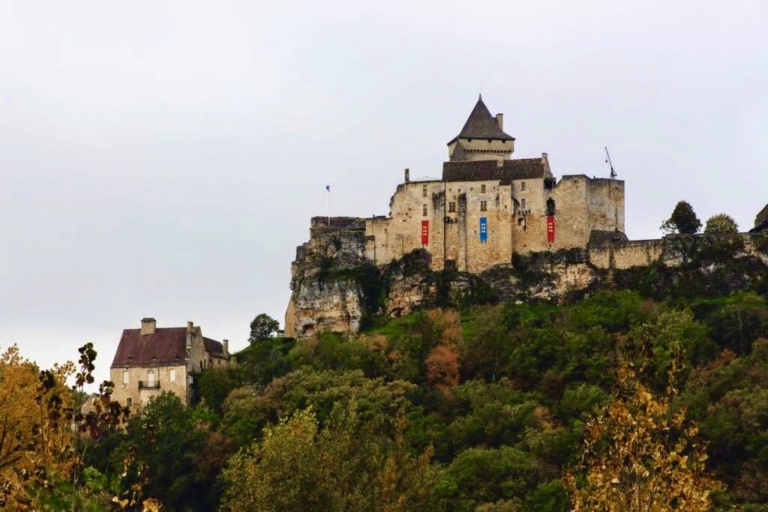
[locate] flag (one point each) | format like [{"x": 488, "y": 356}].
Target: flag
[{"x": 328, "y": 188}]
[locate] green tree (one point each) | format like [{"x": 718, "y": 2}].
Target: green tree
[
  {"x": 263, "y": 327},
  {"x": 160, "y": 447},
  {"x": 348, "y": 465},
  {"x": 683, "y": 220},
  {"x": 721, "y": 224}
]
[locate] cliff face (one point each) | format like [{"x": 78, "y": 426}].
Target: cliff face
[
  {"x": 335, "y": 288},
  {"x": 326, "y": 294}
]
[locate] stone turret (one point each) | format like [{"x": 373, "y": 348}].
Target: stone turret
[{"x": 482, "y": 137}]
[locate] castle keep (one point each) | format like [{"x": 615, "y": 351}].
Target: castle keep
[{"x": 488, "y": 206}]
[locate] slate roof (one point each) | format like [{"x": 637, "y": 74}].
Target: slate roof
[
  {"x": 213, "y": 347},
  {"x": 481, "y": 124},
  {"x": 489, "y": 170},
  {"x": 166, "y": 346}
]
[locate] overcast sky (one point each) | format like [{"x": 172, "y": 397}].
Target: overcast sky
[{"x": 163, "y": 158}]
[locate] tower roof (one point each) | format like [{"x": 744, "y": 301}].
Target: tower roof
[{"x": 481, "y": 124}]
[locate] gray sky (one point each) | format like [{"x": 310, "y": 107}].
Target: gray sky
[{"x": 163, "y": 158}]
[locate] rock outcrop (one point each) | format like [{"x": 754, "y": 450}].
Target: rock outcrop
[{"x": 335, "y": 288}]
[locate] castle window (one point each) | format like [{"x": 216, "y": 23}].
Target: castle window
[
  {"x": 522, "y": 204},
  {"x": 522, "y": 186},
  {"x": 172, "y": 375},
  {"x": 129, "y": 401},
  {"x": 452, "y": 206},
  {"x": 482, "y": 189},
  {"x": 423, "y": 191},
  {"x": 126, "y": 377},
  {"x": 550, "y": 206},
  {"x": 483, "y": 206},
  {"x": 424, "y": 210}
]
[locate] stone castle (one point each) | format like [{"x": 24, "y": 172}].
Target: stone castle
[
  {"x": 488, "y": 206},
  {"x": 486, "y": 212}
]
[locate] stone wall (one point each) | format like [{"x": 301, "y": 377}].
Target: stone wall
[
  {"x": 124, "y": 392},
  {"x": 624, "y": 255}
]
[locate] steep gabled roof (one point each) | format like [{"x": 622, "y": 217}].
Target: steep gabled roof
[
  {"x": 213, "y": 347},
  {"x": 481, "y": 124},
  {"x": 166, "y": 346}
]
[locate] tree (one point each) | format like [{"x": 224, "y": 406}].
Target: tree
[
  {"x": 639, "y": 455},
  {"x": 683, "y": 220},
  {"x": 721, "y": 224},
  {"x": 263, "y": 327},
  {"x": 348, "y": 465}
]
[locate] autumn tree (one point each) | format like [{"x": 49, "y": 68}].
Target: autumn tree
[
  {"x": 442, "y": 367},
  {"x": 640, "y": 455},
  {"x": 721, "y": 224},
  {"x": 683, "y": 220}
]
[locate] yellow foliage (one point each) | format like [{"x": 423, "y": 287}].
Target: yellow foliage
[
  {"x": 36, "y": 440},
  {"x": 651, "y": 461}
]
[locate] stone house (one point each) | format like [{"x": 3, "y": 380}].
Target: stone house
[
  {"x": 488, "y": 206},
  {"x": 151, "y": 360}
]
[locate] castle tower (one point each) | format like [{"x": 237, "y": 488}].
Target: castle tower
[{"x": 482, "y": 137}]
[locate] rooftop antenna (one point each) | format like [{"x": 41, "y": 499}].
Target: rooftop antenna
[{"x": 608, "y": 161}]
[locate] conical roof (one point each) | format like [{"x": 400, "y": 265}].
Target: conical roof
[{"x": 481, "y": 124}]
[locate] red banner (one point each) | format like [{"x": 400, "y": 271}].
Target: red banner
[
  {"x": 425, "y": 232},
  {"x": 550, "y": 229}
]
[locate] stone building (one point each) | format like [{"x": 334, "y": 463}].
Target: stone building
[
  {"x": 761, "y": 221},
  {"x": 488, "y": 206},
  {"x": 151, "y": 360}
]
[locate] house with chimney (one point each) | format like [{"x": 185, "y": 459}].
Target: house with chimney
[{"x": 151, "y": 360}]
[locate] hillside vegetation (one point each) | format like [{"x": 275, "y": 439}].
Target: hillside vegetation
[{"x": 615, "y": 398}]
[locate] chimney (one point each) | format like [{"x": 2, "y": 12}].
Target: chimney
[
  {"x": 407, "y": 175},
  {"x": 148, "y": 326},
  {"x": 500, "y": 121},
  {"x": 226, "y": 347},
  {"x": 190, "y": 324}
]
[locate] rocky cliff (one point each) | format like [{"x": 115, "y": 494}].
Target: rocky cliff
[{"x": 335, "y": 288}]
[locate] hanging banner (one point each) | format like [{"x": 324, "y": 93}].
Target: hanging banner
[
  {"x": 425, "y": 232},
  {"x": 483, "y": 230},
  {"x": 551, "y": 229}
]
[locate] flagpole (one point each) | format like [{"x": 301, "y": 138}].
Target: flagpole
[{"x": 328, "y": 188}]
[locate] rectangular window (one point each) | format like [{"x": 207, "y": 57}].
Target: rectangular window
[
  {"x": 482, "y": 189},
  {"x": 424, "y": 210},
  {"x": 522, "y": 186},
  {"x": 129, "y": 402},
  {"x": 522, "y": 204},
  {"x": 483, "y": 206},
  {"x": 423, "y": 191},
  {"x": 126, "y": 377},
  {"x": 451, "y": 206},
  {"x": 151, "y": 378},
  {"x": 172, "y": 375}
]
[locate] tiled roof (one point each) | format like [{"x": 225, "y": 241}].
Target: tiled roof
[
  {"x": 523, "y": 169},
  {"x": 481, "y": 124},
  {"x": 213, "y": 347},
  {"x": 167, "y": 345},
  {"x": 488, "y": 170}
]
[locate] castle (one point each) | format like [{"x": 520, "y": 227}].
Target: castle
[{"x": 488, "y": 206}]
